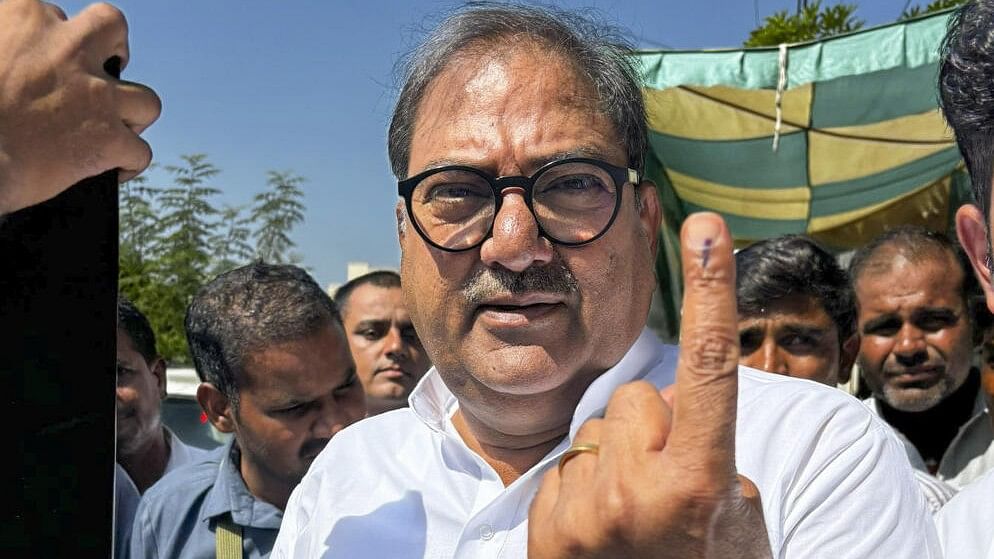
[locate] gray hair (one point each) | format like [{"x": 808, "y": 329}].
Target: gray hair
[{"x": 598, "y": 53}]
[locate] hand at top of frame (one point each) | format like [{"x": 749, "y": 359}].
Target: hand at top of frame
[
  {"x": 663, "y": 482},
  {"x": 63, "y": 116}
]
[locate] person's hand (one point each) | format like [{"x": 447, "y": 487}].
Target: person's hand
[
  {"x": 63, "y": 117},
  {"x": 663, "y": 482}
]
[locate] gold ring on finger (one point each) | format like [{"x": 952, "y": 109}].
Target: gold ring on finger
[{"x": 577, "y": 448}]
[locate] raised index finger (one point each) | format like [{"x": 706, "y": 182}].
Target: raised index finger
[{"x": 707, "y": 374}]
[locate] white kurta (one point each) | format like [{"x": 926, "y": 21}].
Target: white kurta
[
  {"x": 834, "y": 481},
  {"x": 966, "y": 523}
]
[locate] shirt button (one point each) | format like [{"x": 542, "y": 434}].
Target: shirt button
[{"x": 486, "y": 532}]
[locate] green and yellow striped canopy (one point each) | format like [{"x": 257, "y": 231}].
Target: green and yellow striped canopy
[{"x": 859, "y": 145}]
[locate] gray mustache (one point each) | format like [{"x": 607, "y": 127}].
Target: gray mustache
[{"x": 488, "y": 283}]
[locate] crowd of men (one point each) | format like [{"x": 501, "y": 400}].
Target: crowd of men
[{"x": 502, "y": 395}]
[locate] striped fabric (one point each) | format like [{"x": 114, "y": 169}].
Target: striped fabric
[{"x": 859, "y": 145}]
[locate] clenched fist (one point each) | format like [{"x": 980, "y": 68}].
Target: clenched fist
[{"x": 63, "y": 117}]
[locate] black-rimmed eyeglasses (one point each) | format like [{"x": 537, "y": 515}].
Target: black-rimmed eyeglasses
[{"x": 574, "y": 201}]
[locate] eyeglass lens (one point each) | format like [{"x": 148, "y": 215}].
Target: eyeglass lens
[{"x": 573, "y": 202}]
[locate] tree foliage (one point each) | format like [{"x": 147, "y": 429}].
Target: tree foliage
[
  {"x": 174, "y": 238},
  {"x": 277, "y": 211},
  {"x": 934, "y": 6},
  {"x": 811, "y": 22}
]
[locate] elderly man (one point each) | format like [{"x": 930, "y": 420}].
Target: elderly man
[
  {"x": 528, "y": 237},
  {"x": 914, "y": 290},
  {"x": 796, "y": 312},
  {"x": 966, "y": 81},
  {"x": 268, "y": 344},
  {"x": 388, "y": 354}
]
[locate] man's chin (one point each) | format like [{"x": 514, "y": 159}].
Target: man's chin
[{"x": 914, "y": 400}]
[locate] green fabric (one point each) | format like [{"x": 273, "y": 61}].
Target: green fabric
[
  {"x": 872, "y": 189},
  {"x": 860, "y": 93},
  {"x": 878, "y": 84},
  {"x": 749, "y": 163}
]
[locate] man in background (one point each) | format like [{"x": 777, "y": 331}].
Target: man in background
[
  {"x": 388, "y": 354},
  {"x": 268, "y": 345},
  {"x": 914, "y": 293},
  {"x": 797, "y": 317},
  {"x": 796, "y": 312},
  {"x": 146, "y": 449}
]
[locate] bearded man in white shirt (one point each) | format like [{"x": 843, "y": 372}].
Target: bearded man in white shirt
[{"x": 528, "y": 237}]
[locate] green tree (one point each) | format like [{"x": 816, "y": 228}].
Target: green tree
[
  {"x": 934, "y": 6},
  {"x": 137, "y": 218},
  {"x": 232, "y": 246},
  {"x": 183, "y": 252},
  {"x": 276, "y": 211},
  {"x": 811, "y": 22}
]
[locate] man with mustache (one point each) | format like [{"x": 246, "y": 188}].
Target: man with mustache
[
  {"x": 528, "y": 237},
  {"x": 268, "y": 345},
  {"x": 914, "y": 291},
  {"x": 388, "y": 354}
]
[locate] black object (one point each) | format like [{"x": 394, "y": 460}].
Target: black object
[{"x": 58, "y": 301}]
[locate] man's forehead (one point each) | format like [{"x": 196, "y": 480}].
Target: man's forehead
[
  {"x": 373, "y": 299},
  {"x": 476, "y": 107}
]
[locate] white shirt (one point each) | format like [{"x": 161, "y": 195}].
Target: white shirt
[
  {"x": 970, "y": 454},
  {"x": 404, "y": 484},
  {"x": 966, "y": 524}
]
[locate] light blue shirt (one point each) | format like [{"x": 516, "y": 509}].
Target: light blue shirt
[{"x": 177, "y": 516}]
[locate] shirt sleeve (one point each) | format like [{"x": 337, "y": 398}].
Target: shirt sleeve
[{"x": 854, "y": 495}]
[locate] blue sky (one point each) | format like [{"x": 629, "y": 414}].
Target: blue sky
[{"x": 309, "y": 86}]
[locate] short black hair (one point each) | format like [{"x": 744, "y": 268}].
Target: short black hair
[
  {"x": 135, "y": 324},
  {"x": 248, "y": 309},
  {"x": 966, "y": 91},
  {"x": 915, "y": 244},
  {"x": 791, "y": 265},
  {"x": 387, "y": 279}
]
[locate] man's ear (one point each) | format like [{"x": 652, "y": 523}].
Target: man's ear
[
  {"x": 217, "y": 407},
  {"x": 650, "y": 214},
  {"x": 158, "y": 369},
  {"x": 847, "y": 357},
  {"x": 971, "y": 228},
  {"x": 401, "y": 211}
]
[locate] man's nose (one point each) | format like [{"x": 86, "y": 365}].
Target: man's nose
[
  {"x": 767, "y": 357},
  {"x": 394, "y": 346},
  {"x": 515, "y": 243},
  {"x": 330, "y": 421},
  {"x": 910, "y": 347}
]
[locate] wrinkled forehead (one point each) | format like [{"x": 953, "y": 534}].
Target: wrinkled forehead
[{"x": 492, "y": 69}]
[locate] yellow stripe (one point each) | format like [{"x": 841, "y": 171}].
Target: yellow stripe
[
  {"x": 929, "y": 126},
  {"x": 833, "y": 159},
  {"x": 932, "y": 204},
  {"x": 759, "y": 203},
  {"x": 681, "y": 113}
]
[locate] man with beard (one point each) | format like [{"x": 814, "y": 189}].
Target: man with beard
[
  {"x": 914, "y": 292},
  {"x": 797, "y": 317},
  {"x": 528, "y": 238},
  {"x": 388, "y": 354},
  {"x": 268, "y": 345}
]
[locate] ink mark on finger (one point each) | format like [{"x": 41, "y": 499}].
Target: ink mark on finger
[{"x": 705, "y": 253}]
